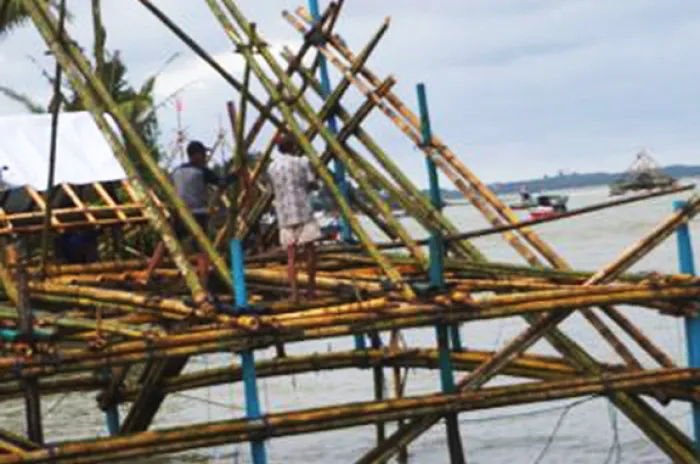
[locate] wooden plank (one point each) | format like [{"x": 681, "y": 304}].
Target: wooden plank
[
  {"x": 104, "y": 195},
  {"x": 78, "y": 202}
]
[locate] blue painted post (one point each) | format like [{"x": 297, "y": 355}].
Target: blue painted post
[
  {"x": 112, "y": 419},
  {"x": 437, "y": 243},
  {"x": 345, "y": 230},
  {"x": 250, "y": 384},
  {"x": 112, "y": 411},
  {"x": 447, "y": 384},
  {"x": 447, "y": 378},
  {"x": 437, "y": 280},
  {"x": 692, "y": 324}
]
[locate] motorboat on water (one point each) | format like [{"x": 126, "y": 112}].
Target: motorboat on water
[{"x": 541, "y": 205}]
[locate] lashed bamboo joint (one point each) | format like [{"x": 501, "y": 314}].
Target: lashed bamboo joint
[{"x": 99, "y": 327}]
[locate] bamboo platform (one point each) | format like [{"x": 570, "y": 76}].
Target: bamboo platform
[{"x": 99, "y": 328}]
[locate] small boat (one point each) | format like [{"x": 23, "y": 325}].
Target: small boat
[
  {"x": 555, "y": 203},
  {"x": 542, "y": 212}
]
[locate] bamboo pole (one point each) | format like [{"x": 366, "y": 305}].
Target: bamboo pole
[
  {"x": 32, "y": 394},
  {"x": 534, "y": 367},
  {"x": 56, "y": 101},
  {"x": 330, "y": 322},
  {"x": 349, "y": 415}
]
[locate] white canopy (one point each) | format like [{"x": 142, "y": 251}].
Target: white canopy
[{"x": 83, "y": 155}]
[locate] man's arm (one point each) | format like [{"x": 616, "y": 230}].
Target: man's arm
[
  {"x": 211, "y": 178},
  {"x": 311, "y": 181}
]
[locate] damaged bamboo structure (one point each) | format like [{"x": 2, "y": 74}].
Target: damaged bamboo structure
[{"x": 99, "y": 327}]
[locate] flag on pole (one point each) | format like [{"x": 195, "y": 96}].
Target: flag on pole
[{"x": 178, "y": 104}]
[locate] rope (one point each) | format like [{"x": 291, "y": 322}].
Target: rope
[
  {"x": 615, "y": 447},
  {"x": 209, "y": 402},
  {"x": 538, "y": 412},
  {"x": 557, "y": 426},
  {"x": 55, "y": 405}
]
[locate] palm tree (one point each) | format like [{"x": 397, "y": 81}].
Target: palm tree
[{"x": 13, "y": 15}]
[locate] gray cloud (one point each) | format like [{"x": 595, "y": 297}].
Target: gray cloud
[{"x": 517, "y": 88}]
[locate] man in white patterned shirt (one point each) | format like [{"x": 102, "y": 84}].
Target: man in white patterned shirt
[{"x": 292, "y": 181}]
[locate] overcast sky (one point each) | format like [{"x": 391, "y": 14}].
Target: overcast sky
[{"x": 517, "y": 88}]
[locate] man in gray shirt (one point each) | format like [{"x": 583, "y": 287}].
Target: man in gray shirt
[{"x": 192, "y": 180}]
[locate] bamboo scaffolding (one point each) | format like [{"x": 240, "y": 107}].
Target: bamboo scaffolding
[
  {"x": 528, "y": 234},
  {"x": 673, "y": 442},
  {"x": 325, "y": 322},
  {"x": 629, "y": 257},
  {"x": 526, "y": 366},
  {"x": 500, "y": 208},
  {"x": 349, "y": 415},
  {"x": 98, "y": 322}
]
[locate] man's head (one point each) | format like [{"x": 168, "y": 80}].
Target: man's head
[
  {"x": 287, "y": 144},
  {"x": 197, "y": 153}
]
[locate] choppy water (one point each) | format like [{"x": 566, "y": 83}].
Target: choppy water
[{"x": 510, "y": 435}]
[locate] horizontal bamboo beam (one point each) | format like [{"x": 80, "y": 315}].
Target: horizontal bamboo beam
[{"x": 342, "y": 416}]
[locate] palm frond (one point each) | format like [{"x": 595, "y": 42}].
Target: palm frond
[
  {"x": 13, "y": 14},
  {"x": 22, "y": 99}
]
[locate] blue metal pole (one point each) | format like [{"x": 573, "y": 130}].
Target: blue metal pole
[
  {"x": 437, "y": 281},
  {"x": 437, "y": 243},
  {"x": 447, "y": 384},
  {"x": 112, "y": 419},
  {"x": 447, "y": 378},
  {"x": 437, "y": 246},
  {"x": 692, "y": 324},
  {"x": 250, "y": 384},
  {"x": 112, "y": 411},
  {"x": 345, "y": 230}
]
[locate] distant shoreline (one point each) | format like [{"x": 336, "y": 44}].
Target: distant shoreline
[{"x": 570, "y": 181}]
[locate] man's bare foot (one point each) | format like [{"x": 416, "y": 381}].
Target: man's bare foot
[{"x": 143, "y": 278}]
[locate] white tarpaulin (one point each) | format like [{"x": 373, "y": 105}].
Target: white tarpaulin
[{"x": 83, "y": 155}]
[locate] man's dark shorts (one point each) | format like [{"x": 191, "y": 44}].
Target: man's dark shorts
[{"x": 183, "y": 234}]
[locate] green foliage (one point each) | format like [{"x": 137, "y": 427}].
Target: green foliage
[{"x": 14, "y": 15}]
